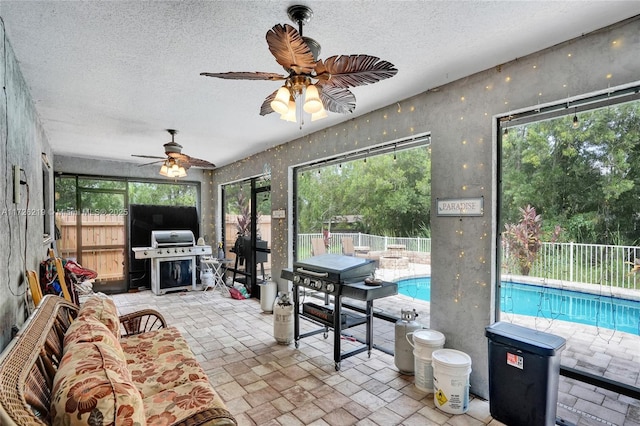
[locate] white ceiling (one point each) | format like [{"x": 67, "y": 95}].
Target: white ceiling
[{"x": 108, "y": 77}]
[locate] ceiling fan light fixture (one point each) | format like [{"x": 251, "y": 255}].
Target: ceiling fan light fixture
[
  {"x": 290, "y": 115},
  {"x": 164, "y": 170},
  {"x": 319, "y": 115},
  {"x": 280, "y": 103},
  {"x": 175, "y": 163},
  {"x": 177, "y": 171},
  {"x": 312, "y": 102},
  {"x": 171, "y": 169},
  {"x": 298, "y": 55}
]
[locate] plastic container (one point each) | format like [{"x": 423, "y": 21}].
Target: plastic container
[
  {"x": 268, "y": 292},
  {"x": 451, "y": 369},
  {"x": 524, "y": 373},
  {"x": 424, "y": 342}
]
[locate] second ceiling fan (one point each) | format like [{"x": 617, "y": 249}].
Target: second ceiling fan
[{"x": 323, "y": 84}]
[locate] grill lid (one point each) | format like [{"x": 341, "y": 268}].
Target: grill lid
[
  {"x": 172, "y": 238},
  {"x": 338, "y": 268}
]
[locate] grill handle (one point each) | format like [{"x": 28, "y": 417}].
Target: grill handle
[{"x": 313, "y": 273}]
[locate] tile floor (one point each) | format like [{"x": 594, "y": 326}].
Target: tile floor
[{"x": 265, "y": 383}]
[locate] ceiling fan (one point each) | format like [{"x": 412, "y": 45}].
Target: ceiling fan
[
  {"x": 324, "y": 84},
  {"x": 175, "y": 163}
]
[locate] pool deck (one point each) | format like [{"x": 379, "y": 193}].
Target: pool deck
[{"x": 611, "y": 354}]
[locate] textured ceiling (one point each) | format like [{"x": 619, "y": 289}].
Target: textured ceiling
[{"x": 108, "y": 77}]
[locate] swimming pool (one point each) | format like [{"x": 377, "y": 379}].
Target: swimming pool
[{"x": 552, "y": 303}]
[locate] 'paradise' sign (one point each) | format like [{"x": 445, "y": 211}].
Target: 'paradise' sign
[{"x": 461, "y": 206}]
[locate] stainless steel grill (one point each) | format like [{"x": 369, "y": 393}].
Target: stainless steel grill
[
  {"x": 172, "y": 238},
  {"x": 173, "y": 260}
]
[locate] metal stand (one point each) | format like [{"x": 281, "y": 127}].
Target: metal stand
[
  {"x": 218, "y": 268},
  {"x": 337, "y": 324}
]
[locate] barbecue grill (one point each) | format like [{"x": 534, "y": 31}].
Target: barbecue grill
[
  {"x": 173, "y": 260},
  {"x": 337, "y": 277}
]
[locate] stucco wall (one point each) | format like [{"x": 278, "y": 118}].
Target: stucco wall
[
  {"x": 22, "y": 142},
  {"x": 461, "y": 118}
]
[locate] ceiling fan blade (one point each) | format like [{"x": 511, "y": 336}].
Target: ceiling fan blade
[
  {"x": 148, "y": 156},
  {"x": 197, "y": 162},
  {"x": 337, "y": 99},
  {"x": 245, "y": 75},
  {"x": 266, "y": 105},
  {"x": 289, "y": 49},
  {"x": 153, "y": 162},
  {"x": 187, "y": 161},
  {"x": 353, "y": 70}
]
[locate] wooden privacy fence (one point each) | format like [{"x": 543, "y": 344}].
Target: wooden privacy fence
[{"x": 102, "y": 238}]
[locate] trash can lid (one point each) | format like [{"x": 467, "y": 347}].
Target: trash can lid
[{"x": 526, "y": 339}]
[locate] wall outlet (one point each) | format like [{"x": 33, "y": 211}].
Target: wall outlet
[{"x": 16, "y": 184}]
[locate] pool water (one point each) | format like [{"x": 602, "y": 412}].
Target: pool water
[{"x": 551, "y": 303}]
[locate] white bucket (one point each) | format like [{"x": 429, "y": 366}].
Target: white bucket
[
  {"x": 451, "y": 371},
  {"x": 425, "y": 341}
]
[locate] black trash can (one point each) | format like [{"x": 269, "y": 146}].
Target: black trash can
[{"x": 524, "y": 371}]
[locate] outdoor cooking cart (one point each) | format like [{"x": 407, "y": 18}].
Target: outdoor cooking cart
[{"x": 337, "y": 277}]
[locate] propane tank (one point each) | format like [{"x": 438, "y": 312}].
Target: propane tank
[
  {"x": 403, "y": 353},
  {"x": 283, "y": 319},
  {"x": 267, "y": 295}
]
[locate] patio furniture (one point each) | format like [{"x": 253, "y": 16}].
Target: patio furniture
[
  {"x": 347, "y": 246},
  {"x": 317, "y": 247},
  {"x": 71, "y": 365}
]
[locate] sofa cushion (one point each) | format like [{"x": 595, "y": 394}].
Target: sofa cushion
[
  {"x": 93, "y": 387},
  {"x": 88, "y": 330},
  {"x": 180, "y": 402},
  {"x": 102, "y": 309},
  {"x": 159, "y": 360}
]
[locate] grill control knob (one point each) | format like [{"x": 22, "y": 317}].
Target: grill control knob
[
  {"x": 330, "y": 288},
  {"x": 319, "y": 285},
  {"x": 296, "y": 278},
  {"x": 307, "y": 282}
]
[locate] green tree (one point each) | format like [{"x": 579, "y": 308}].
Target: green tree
[
  {"x": 167, "y": 194},
  {"x": 391, "y": 193},
  {"x": 583, "y": 178}
]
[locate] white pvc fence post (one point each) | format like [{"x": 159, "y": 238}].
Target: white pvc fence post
[{"x": 571, "y": 261}]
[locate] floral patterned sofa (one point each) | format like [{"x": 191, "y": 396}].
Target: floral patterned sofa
[{"x": 89, "y": 366}]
